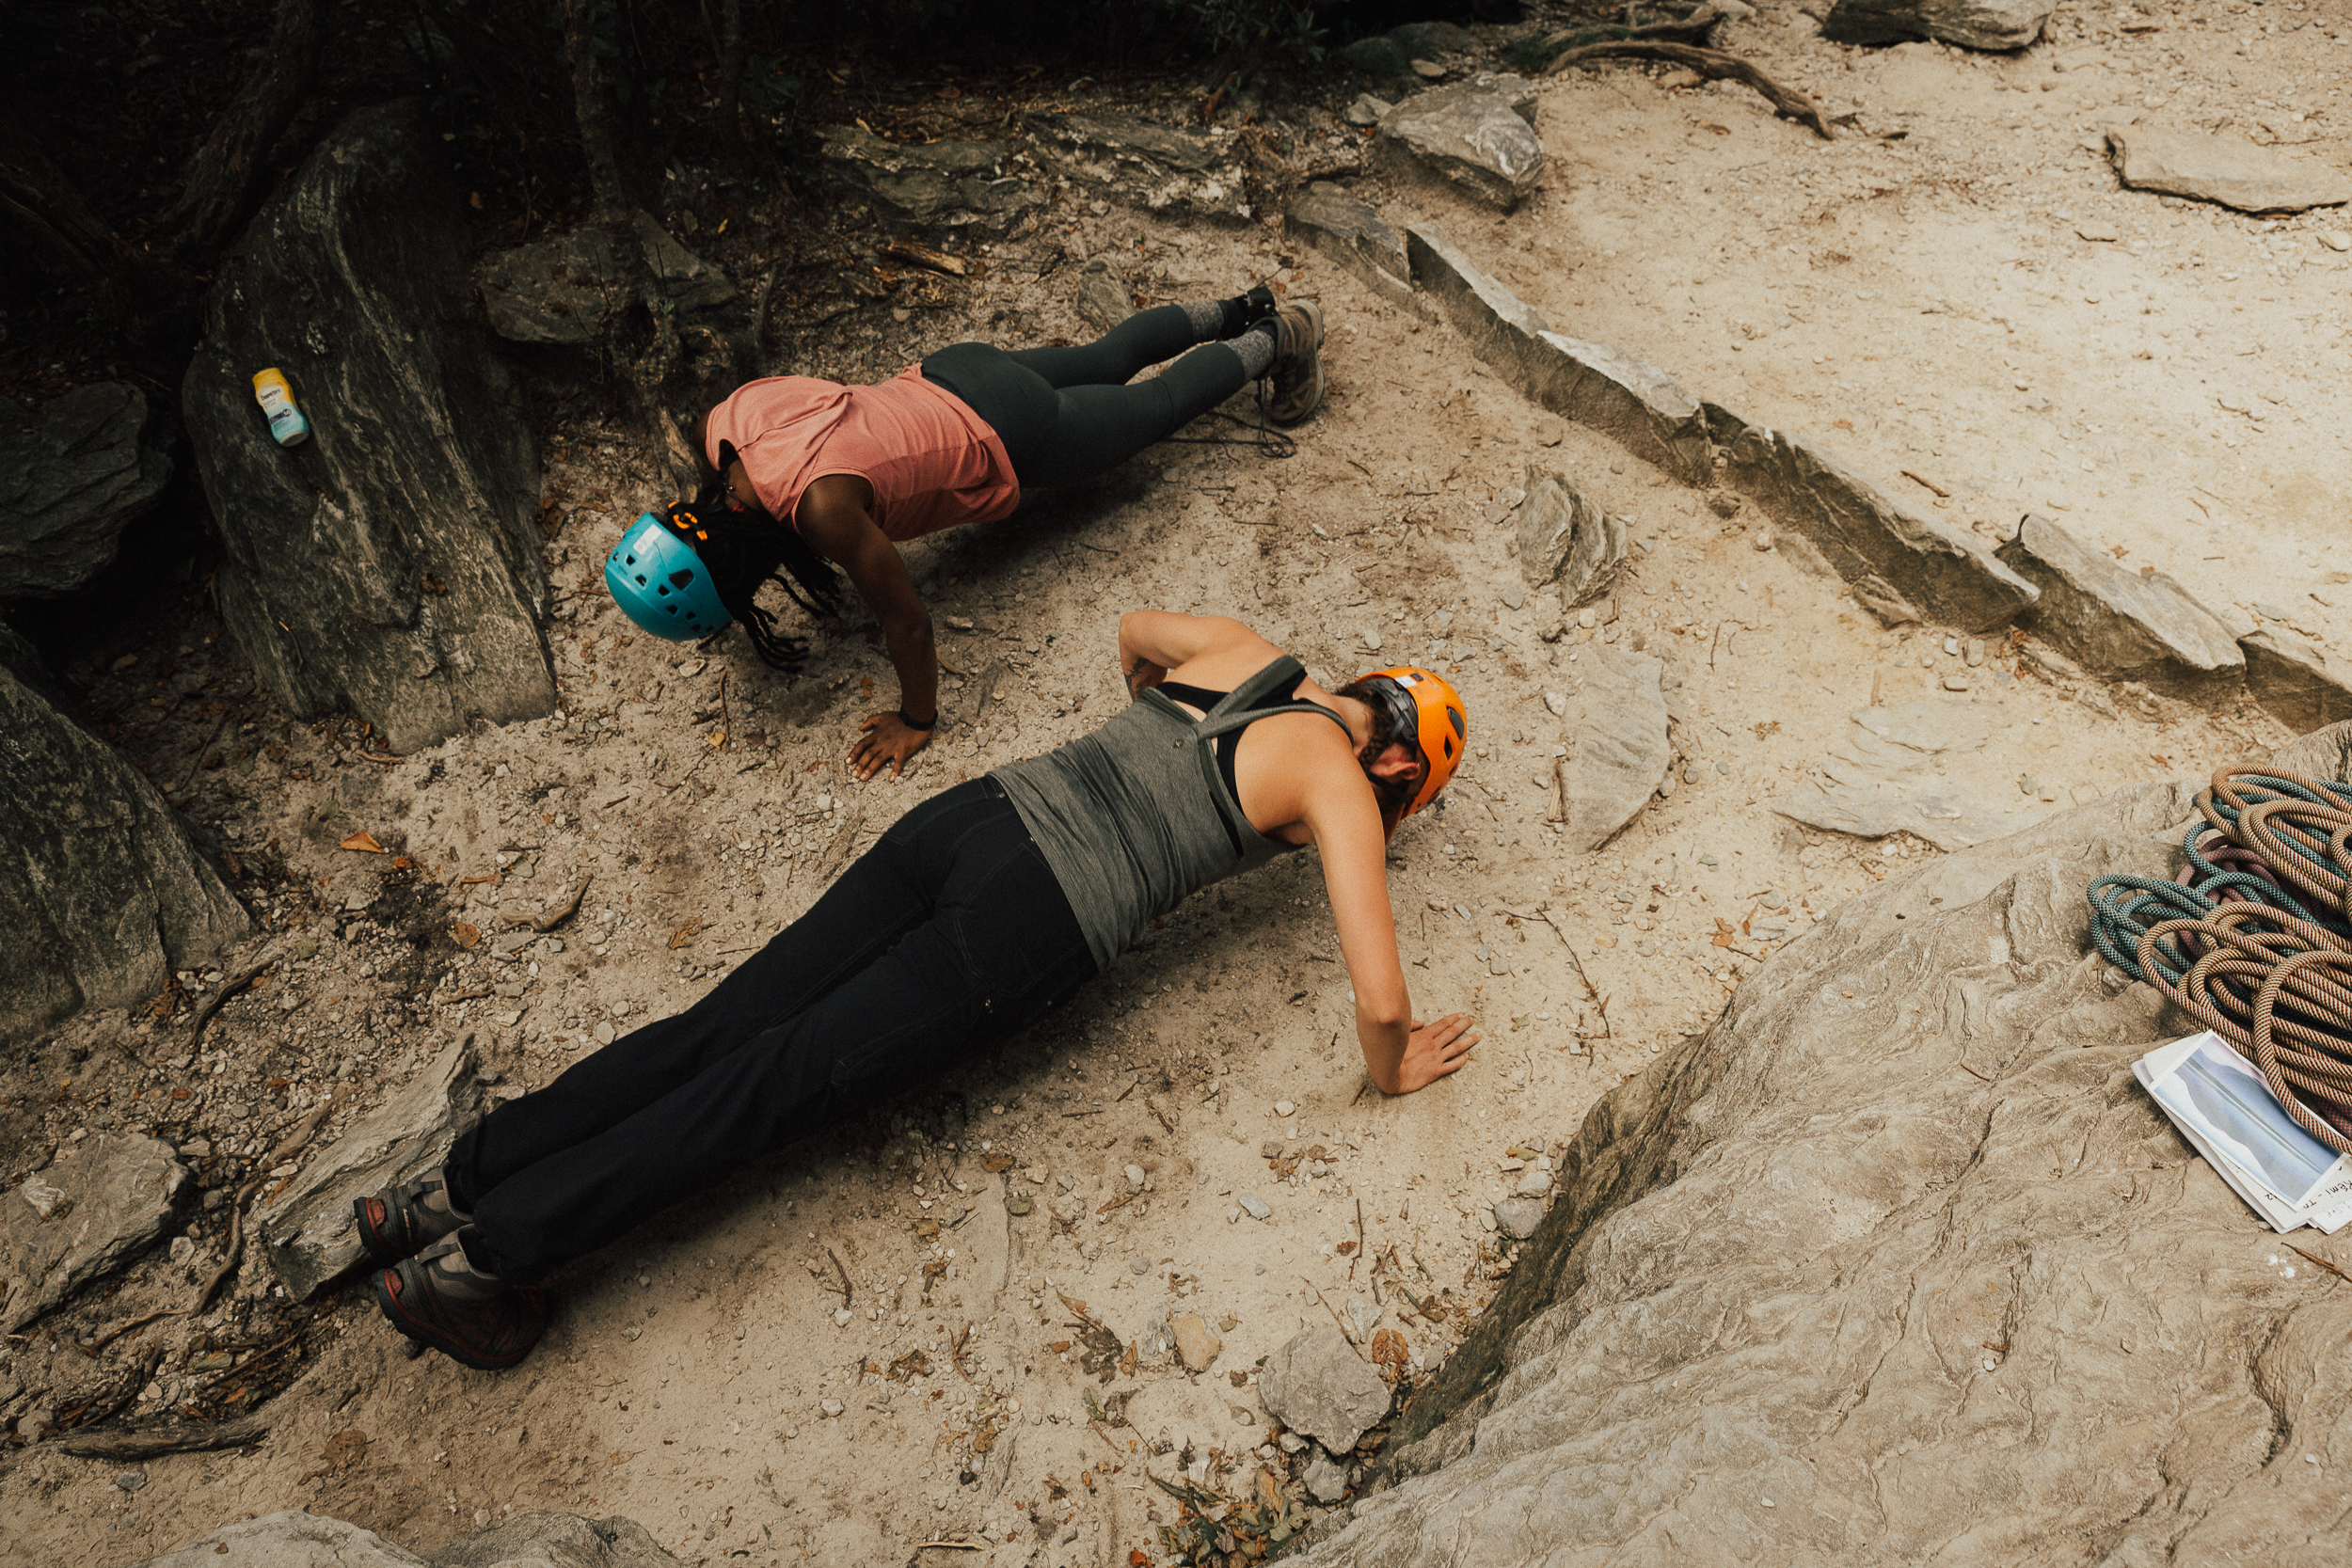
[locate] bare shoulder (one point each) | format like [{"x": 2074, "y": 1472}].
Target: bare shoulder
[{"x": 1220, "y": 653}]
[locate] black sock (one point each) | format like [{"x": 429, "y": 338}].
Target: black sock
[{"x": 1244, "y": 311}]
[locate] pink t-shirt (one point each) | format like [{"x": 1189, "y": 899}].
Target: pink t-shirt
[{"x": 932, "y": 462}]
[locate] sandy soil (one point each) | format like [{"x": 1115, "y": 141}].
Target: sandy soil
[{"x": 703, "y": 1379}]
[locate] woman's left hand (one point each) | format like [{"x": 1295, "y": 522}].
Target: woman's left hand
[{"x": 888, "y": 739}]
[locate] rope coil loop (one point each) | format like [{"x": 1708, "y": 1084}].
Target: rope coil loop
[{"x": 2253, "y": 938}]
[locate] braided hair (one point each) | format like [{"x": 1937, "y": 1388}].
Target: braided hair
[{"x": 744, "y": 548}]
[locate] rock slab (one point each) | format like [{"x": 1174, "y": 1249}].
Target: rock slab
[
  {"x": 1632, "y": 402},
  {"x": 1102, "y": 294},
  {"x": 82, "y": 1218},
  {"x": 1478, "y": 135},
  {"x": 2225, "y": 169},
  {"x": 2299, "y": 683},
  {"x": 73, "y": 475},
  {"x": 307, "y": 1234},
  {"x": 1335, "y": 223},
  {"x": 931, "y": 188},
  {"x": 1319, "y": 1387},
  {"x": 1816, "y": 1286},
  {"x": 391, "y": 563},
  {"x": 103, "y": 892},
  {"x": 1174, "y": 173},
  {"x": 1618, "y": 744},
  {"x": 561, "y": 290},
  {"x": 1564, "y": 538},
  {"x": 1863, "y": 533},
  {"x": 299, "y": 1539},
  {"x": 1970, "y": 23},
  {"x": 2117, "y": 622}
]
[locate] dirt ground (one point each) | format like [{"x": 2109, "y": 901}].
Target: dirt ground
[{"x": 867, "y": 1342}]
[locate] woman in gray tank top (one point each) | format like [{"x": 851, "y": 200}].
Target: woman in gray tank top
[{"x": 975, "y": 912}]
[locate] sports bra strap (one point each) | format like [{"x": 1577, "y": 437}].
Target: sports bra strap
[{"x": 1242, "y": 706}]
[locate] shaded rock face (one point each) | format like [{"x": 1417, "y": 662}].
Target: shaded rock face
[
  {"x": 1479, "y": 136},
  {"x": 72, "y": 476},
  {"x": 82, "y": 1218},
  {"x": 1327, "y": 217},
  {"x": 1319, "y": 1387},
  {"x": 1822, "y": 1286},
  {"x": 1565, "y": 538},
  {"x": 561, "y": 291},
  {"x": 2145, "y": 627},
  {"x": 2226, "y": 169},
  {"x": 1618, "y": 749},
  {"x": 1970, "y": 23},
  {"x": 936, "y": 187},
  {"x": 308, "y": 1233},
  {"x": 299, "y": 1539},
  {"x": 1174, "y": 173},
  {"x": 1102, "y": 298},
  {"x": 2299, "y": 683},
  {"x": 101, "y": 890},
  {"x": 1863, "y": 533},
  {"x": 389, "y": 564}
]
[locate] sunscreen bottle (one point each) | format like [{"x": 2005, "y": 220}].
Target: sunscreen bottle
[{"x": 277, "y": 399}]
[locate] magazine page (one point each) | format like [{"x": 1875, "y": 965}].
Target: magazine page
[{"x": 2226, "y": 1109}]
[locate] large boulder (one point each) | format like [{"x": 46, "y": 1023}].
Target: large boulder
[
  {"x": 2299, "y": 683},
  {"x": 1897, "y": 1264},
  {"x": 1327, "y": 217},
  {"x": 1971, "y": 24},
  {"x": 388, "y": 565},
  {"x": 75, "y": 474},
  {"x": 2120, "y": 623},
  {"x": 564, "y": 290},
  {"x": 103, "y": 892},
  {"x": 1478, "y": 135}
]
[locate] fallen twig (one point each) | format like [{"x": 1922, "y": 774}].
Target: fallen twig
[
  {"x": 197, "y": 766},
  {"x": 1591, "y": 992},
  {"x": 1344, "y": 1330},
  {"x": 2319, "y": 1261},
  {"x": 955, "y": 1351},
  {"x": 1707, "y": 62},
  {"x": 550, "y": 922},
  {"x": 1105, "y": 1437},
  {"x": 192, "y": 1438},
  {"x": 950, "y": 1547},
  {"x": 228, "y": 990},
  {"x": 845, "y": 1299},
  {"x": 1924, "y": 480},
  {"x": 1358, "y": 1256}
]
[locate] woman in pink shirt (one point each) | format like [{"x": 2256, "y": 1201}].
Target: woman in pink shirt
[{"x": 807, "y": 475}]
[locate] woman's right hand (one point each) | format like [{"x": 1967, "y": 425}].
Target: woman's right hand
[{"x": 1434, "y": 1050}]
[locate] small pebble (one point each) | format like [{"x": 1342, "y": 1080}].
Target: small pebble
[
  {"x": 1556, "y": 703},
  {"x": 1283, "y": 1107},
  {"x": 830, "y": 1407},
  {"x": 1955, "y": 683},
  {"x": 1760, "y": 540},
  {"x": 841, "y": 1317},
  {"x": 1254, "y": 1206}
]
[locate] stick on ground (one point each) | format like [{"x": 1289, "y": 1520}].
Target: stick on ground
[
  {"x": 1707, "y": 62},
  {"x": 191, "y": 1439}
]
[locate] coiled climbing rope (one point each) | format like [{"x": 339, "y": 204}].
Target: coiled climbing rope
[{"x": 2253, "y": 938}]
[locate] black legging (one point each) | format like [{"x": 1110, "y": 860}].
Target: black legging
[
  {"x": 943, "y": 940},
  {"x": 1067, "y": 414}
]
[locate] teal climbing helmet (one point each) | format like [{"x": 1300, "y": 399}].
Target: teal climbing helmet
[{"x": 661, "y": 582}]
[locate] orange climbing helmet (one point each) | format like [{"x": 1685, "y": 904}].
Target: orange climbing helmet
[{"x": 1426, "y": 713}]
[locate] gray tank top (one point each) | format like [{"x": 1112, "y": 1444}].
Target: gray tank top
[{"x": 1135, "y": 819}]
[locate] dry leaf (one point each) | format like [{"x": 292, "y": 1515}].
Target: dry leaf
[
  {"x": 364, "y": 843},
  {"x": 687, "y": 932},
  {"x": 464, "y": 935},
  {"x": 995, "y": 1163}
]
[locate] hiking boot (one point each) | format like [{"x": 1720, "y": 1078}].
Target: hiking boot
[
  {"x": 1293, "y": 387},
  {"x": 399, "y": 1222},
  {"x": 440, "y": 1300}
]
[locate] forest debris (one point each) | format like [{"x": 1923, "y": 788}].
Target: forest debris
[
  {"x": 190, "y": 1437},
  {"x": 1707, "y": 62}
]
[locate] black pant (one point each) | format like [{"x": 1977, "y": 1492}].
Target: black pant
[
  {"x": 944, "y": 940},
  {"x": 1068, "y": 414}
]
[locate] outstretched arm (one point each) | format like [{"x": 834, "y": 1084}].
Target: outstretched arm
[
  {"x": 835, "y": 522},
  {"x": 1153, "y": 642}
]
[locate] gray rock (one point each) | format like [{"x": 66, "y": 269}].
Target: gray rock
[
  {"x": 2299, "y": 683},
  {"x": 105, "y": 1203},
  {"x": 556, "y": 1541},
  {"x": 562, "y": 290},
  {"x": 1319, "y": 1387},
  {"x": 391, "y": 563},
  {"x": 103, "y": 892},
  {"x": 1327, "y": 1482},
  {"x": 289, "y": 1539},
  {"x": 1176, "y": 174},
  {"x": 1102, "y": 294},
  {"x": 1874, "y": 593},
  {"x": 1944, "y": 813},
  {"x": 1970, "y": 23},
  {"x": 307, "y": 1233},
  {"x": 1469, "y": 135},
  {"x": 1925, "y": 730},
  {"x": 2118, "y": 622},
  {"x": 73, "y": 475},
  {"x": 130, "y": 1480},
  {"x": 1518, "y": 1217},
  {"x": 1254, "y": 1206},
  {"x": 1335, "y": 223},
  {"x": 1377, "y": 56},
  {"x": 1425, "y": 41},
  {"x": 1366, "y": 110},
  {"x": 1799, "y": 1173},
  {"x": 1564, "y": 538},
  {"x": 1948, "y": 572},
  {"x": 1617, "y": 745},
  {"x": 928, "y": 188},
  {"x": 1633, "y": 403},
  {"x": 2226, "y": 169}
]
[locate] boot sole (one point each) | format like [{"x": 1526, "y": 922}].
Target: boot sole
[{"x": 1314, "y": 314}]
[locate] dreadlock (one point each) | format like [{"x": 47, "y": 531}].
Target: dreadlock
[{"x": 745, "y": 549}]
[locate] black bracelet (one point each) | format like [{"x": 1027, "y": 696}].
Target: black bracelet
[{"x": 926, "y": 725}]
